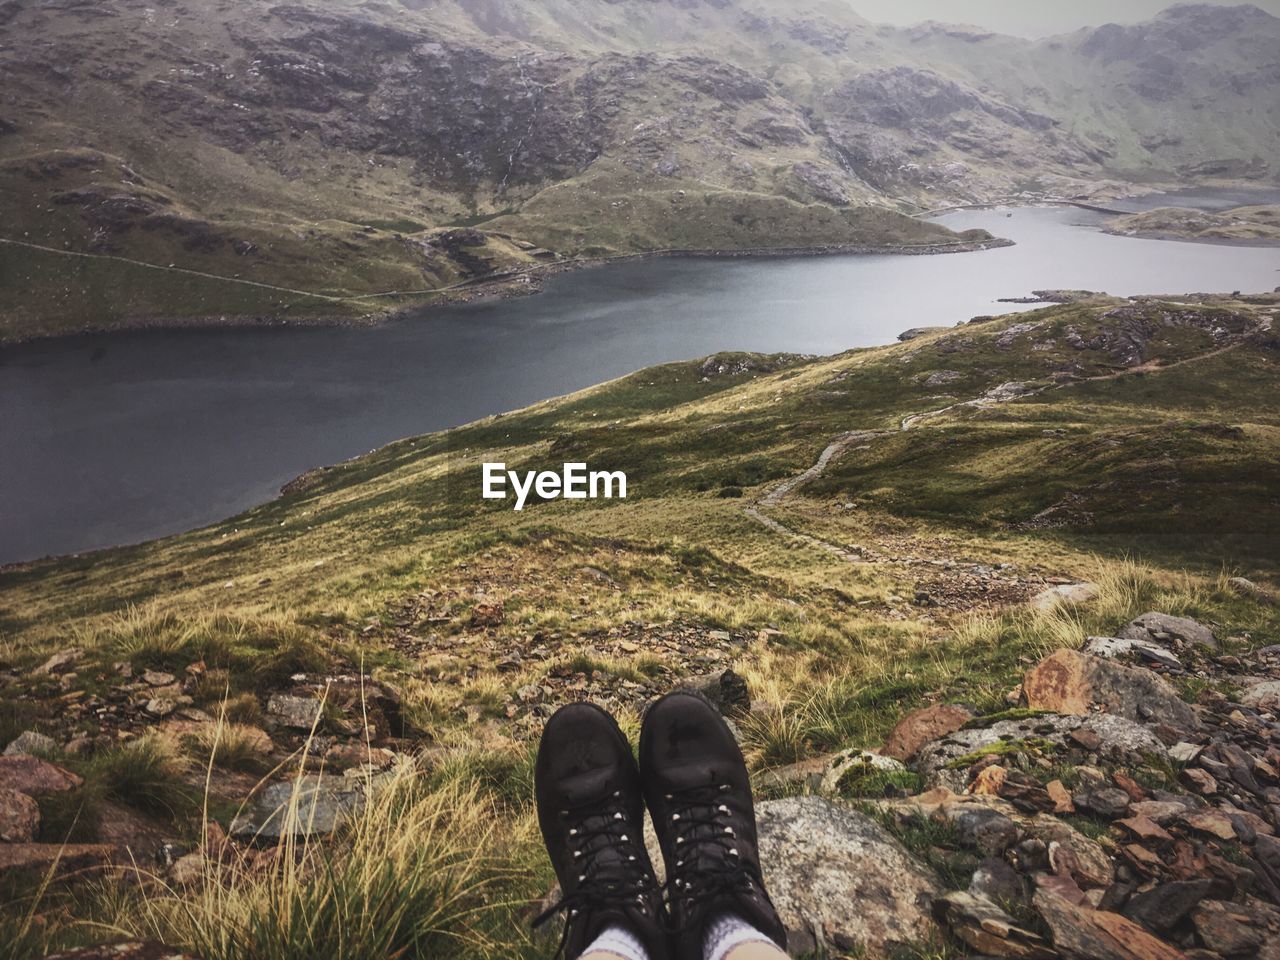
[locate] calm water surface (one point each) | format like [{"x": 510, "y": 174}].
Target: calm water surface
[{"x": 120, "y": 438}]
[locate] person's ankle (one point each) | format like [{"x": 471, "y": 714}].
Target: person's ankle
[
  {"x": 616, "y": 942},
  {"x": 729, "y": 936}
]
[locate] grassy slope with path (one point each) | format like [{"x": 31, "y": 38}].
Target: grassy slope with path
[{"x": 1140, "y": 452}]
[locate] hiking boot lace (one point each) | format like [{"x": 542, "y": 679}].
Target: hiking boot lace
[
  {"x": 603, "y": 882},
  {"x": 707, "y": 866}
]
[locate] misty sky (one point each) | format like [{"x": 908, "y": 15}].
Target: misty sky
[{"x": 1029, "y": 18}]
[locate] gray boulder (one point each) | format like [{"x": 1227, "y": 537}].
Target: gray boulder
[
  {"x": 1162, "y": 628},
  {"x": 297, "y": 713},
  {"x": 1119, "y": 648},
  {"x": 1051, "y": 597},
  {"x": 322, "y": 803},
  {"x": 31, "y": 742},
  {"x": 840, "y": 882}
]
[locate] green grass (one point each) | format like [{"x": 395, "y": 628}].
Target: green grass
[{"x": 836, "y": 652}]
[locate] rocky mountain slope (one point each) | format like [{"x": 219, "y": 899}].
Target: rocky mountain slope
[
  {"x": 302, "y": 158},
  {"x": 1005, "y": 523}
]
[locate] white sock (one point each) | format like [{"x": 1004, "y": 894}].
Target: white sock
[
  {"x": 619, "y": 942},
  {"x": 729, "y": 932}
]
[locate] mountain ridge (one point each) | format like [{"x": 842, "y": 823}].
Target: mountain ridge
[{"x": 329, "y": 147}]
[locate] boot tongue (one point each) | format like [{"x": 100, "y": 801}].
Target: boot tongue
[
  {"x": 690, "y": 776},
  {"x": 597, "y": 784}
]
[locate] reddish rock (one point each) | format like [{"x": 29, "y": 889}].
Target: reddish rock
[
  {"x": 1227, "y": 929},
  {"x": 1210, "y": 822},
  {"x": 19, "y": 817},
  {"x": 919, "y": 727},
  {"x": 135, "y": 836},
  {"x": 1142, "y": 858},
  {"x": 1080, "y": 933},
  {"x": 488, "y": 615},
  {"x": 1200, "y": 780},
  {"x": 1060, "y": 796},
  {"x": 1145, "y": 829},
  {"x": 989, "y": 781},
  {"x": 41, "y": 857},
  {"x": 1137, "y": 793},
  {"x": 1075, "y": 683},
  {"x": 347, "y": 755},
  {"x": 33, "y": 776}
]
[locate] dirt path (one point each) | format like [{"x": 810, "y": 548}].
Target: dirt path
[
  {"x": 776, "y": 495},
  {"x": 309, "y": 294}
]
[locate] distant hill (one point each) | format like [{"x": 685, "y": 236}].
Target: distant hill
[{"x": 352, "y": 148}]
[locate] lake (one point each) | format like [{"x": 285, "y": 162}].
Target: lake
[{"x": 118, "y": 438}]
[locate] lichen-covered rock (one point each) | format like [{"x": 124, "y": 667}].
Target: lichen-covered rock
[
  {"x": 1263, "y": 696},
  {"x": 939, "y": 762},
  {"x": 840, "y": 881},
  {"x": 312, "y": 805},
  {"x": 850, "y": 765},
  {"x": 1071, "y": 682}
]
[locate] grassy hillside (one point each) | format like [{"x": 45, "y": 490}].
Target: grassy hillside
[
  {"x": 1133, "y": 444},
  {"x": 348, "y": 149}
]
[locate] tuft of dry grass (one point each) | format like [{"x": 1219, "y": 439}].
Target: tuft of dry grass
[{"x": 414, "y": 876}]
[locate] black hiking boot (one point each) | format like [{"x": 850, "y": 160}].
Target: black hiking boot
[
  {"x": 699, "y": 796},
  {"x": 591, "y": 810}
]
